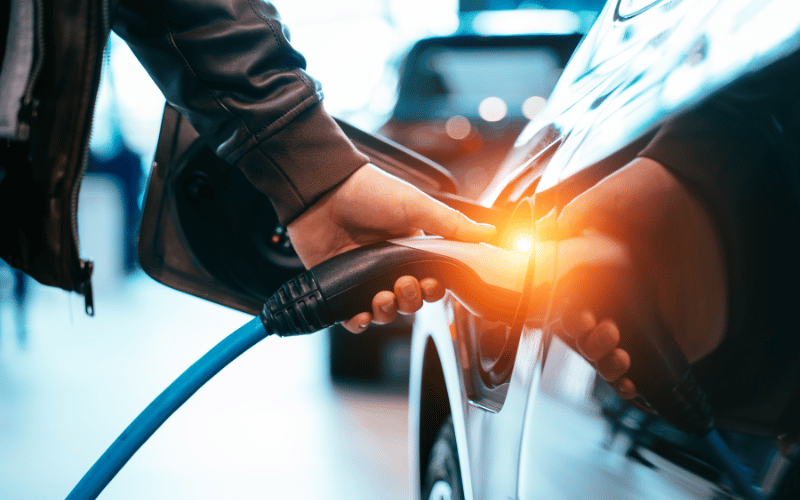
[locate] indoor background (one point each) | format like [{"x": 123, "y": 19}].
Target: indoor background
[{"x": 271, "y": 425}]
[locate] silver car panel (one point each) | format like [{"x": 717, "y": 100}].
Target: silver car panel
[{"x": 641, "y": 63}]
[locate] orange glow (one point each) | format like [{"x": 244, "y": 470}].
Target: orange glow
[
  {"x": 519, "y": 239},
  {"x": 523, "y": 243}
]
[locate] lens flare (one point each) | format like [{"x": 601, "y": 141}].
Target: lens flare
[
  {"x": 519, "y": 239},
  {"x": 523, "y": 243}
]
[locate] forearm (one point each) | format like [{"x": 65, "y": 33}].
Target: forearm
[
  {"x": 228, "y": 66},
  {"x": 741, "y": 166}
]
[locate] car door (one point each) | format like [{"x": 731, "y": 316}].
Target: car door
[{"x": 579, "y": 438}]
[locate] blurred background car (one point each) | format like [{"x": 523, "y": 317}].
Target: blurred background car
[{"x": 464, "y": 99}]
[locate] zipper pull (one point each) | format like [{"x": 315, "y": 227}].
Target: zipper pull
[
  {"x": 85, "y": 286},
  {"x": 26, "y": 128}
]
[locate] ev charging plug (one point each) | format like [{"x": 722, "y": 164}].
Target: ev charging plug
[{"x": 487, "y": 279}]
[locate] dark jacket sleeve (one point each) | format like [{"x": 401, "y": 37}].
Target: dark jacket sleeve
[
  {"x": 227, "y": 65},
  {"x": 737, "y": 153}
]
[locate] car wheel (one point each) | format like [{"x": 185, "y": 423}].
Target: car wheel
[{"x": 443, "y": 477}]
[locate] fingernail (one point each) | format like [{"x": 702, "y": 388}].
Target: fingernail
[
  {"x": 387, "y": 308},
  {"x": 586, "y": 320},
  {"x": 409, "y": 291},
  {"x": 363, "y": 327}
]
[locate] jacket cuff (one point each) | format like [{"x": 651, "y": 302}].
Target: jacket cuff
[{"x": 302, "y": 162}]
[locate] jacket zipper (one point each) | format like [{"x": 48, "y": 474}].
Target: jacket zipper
[{"x": 83, "y": 278}]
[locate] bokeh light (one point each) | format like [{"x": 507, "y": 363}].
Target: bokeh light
[
  {"x": 532, "y": 106},
  {"x": 493, "y": 109},
  {"x": 458, "y": 127}
]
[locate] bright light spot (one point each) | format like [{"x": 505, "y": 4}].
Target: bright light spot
[
  {"x": 458, "y": 127},
  {"x": 515, "y": 22},
  {"x": 492, "y": 109},
  {"x": 519, "y": 239},
  {"x": 523, "y": 243},
  {"x": 532, "y": 106}
]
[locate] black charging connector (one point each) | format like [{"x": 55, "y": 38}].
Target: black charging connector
[{"x": 343, "y": 286}]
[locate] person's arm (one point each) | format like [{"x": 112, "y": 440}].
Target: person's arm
[
  {"x": 703, "y": 209},
  {"x": 227, "y": 65},
  {"x": 675, "y": 249}
]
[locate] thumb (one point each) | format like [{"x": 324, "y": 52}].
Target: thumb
[
  {"x": 590, "y": 210},
  {"x": 434, "y": 217}
]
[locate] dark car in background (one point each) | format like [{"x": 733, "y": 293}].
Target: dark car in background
[{"x": 464, "y": 99}]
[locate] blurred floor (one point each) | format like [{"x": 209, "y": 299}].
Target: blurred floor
[{"x": 271, "y": 425}]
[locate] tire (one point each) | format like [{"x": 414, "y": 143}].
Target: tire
[{"x": 443, "y": 476}]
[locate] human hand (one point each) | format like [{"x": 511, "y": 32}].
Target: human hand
[
  {"x": 597, "y": 343},
  {"x": 645, "y": 207},
  {"x": 580, "y": 292},
  {"x": 372, "y": 205}
]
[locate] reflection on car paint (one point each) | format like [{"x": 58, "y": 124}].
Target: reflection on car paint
[
  {"x": 642, "y": 62},
  {"x": 642, "y": 79}
]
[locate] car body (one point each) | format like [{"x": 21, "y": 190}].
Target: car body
[{"x": 498, "y": 411}]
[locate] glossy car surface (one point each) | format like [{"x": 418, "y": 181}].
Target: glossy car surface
[{"x": 526, "y": 416}]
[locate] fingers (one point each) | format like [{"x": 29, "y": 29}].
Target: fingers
[
  {"x": 576, "y": 324},
  {"x": 594, "y": 341},
  {"x": 408, "y": 294},
  {"x": 597, "y": 343},
  {"x": 384, "y": 308},
  {"x": 358, "y": 323},
  {"x": 432, "y": 290},
  {"x": 600, "y": 342},
  {"x": 407, "y": 298},
  {"x": 625, "y": 388},
  {"x": 434, "y": 217},
  {"x": 614, "y": 366}
]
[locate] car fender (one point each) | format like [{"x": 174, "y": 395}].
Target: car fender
[
  {"x": 431, "y": 327},
  {"x": 488, "y": 439}
]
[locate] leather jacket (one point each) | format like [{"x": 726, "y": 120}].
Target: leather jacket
[{"x": 227, "y": 65}]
